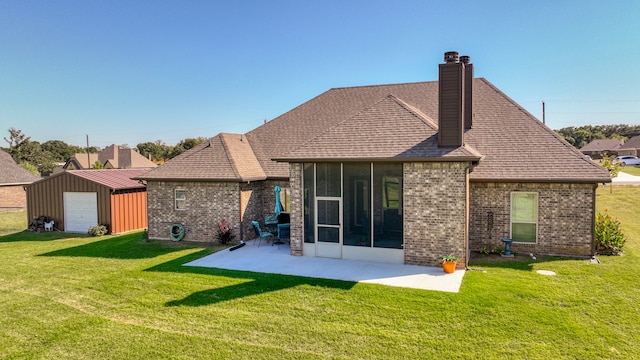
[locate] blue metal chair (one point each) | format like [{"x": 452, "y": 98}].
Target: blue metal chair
[{"x": 261, "y": 234}]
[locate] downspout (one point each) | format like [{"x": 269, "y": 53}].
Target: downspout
[
  {"x": 467, "y": 218},
  {"x": 593, "y": 221}
]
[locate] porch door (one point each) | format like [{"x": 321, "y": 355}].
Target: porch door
[{"x": 329, "y": 227}]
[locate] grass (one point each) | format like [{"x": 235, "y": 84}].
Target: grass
[
  {"x": 126, "y": 298},
  {"x": 632, "y": 170},
  {"x": 11, "y": 222}
]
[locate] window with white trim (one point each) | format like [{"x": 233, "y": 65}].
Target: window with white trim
[
  {"x": 524, "y": 217},
  {"x": 180, "y": 199}
]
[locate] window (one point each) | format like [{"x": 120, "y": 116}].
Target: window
[
  {"x": 391, "y": 193},
  {"x": 180, "y": 199},
  {"x": 524, "y": 217}
]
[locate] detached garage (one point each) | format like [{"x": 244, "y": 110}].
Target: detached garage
[{"x": 79, "y": 199}]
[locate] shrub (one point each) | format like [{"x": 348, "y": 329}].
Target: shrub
[
  {"x": 609, "y": 236},
  {"x": 224, "y": 234},
  {"x": 98, "y": 230}
]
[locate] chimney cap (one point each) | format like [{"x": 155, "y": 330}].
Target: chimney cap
[
  {"x": 451, "y": 57},
  {"x": 465, "y": 59}
]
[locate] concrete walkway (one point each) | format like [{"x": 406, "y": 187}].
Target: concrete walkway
[
  {"x": 625, "y": 179},
  {"x": 277, "y": 260}
]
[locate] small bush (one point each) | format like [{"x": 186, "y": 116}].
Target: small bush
[
  {"x": 98, "y": 230},
  {"x": 224, "y": 234},
  {"x": 609, "y": 236}
]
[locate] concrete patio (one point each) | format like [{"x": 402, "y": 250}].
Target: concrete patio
[{"x": 277, "y": 260}]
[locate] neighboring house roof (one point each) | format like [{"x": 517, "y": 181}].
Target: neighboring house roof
[
  {"x": 115, "y": 179},
  {"x": 112, "y": 157},
  {"x": 633, "y": 143},
  {"x": 13, "y": 174},
  {"x": 600, "y": 145},
  {"x": 225, "y": 157},
  {"x": 398, "y": 122}
]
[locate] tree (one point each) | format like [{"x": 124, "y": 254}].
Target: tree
[
  {"x": 61, "y": 151},
  {"x": 185, "y": 145},
  {"x": 97, "y": 165},
  {"x": 157, "y": 150},
  {"x": 16, "y": 138}
]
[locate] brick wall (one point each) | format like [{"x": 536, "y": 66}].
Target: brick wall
[
  {"x": 13, "y": 197},
  {"x": 565, "y": 217},
  {"x": 435, "y": 199},
  {"x": 207, "y": 204},
  {"x": 297, "y": 222}
]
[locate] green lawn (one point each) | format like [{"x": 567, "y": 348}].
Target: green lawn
[
  {"x": 126, "y": 298},
  {"x": 633, "y": 170}
]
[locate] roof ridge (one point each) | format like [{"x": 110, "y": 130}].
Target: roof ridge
[
  {"x": 227, "y": 153},
  {"x": 419, "y": 114},
  {"x": 382, "y": 85}
]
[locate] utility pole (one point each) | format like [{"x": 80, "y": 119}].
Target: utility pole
[{"x": 88, "y": 157}]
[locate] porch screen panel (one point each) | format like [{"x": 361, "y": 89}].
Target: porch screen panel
[
  {"x": 328, "y": 180},
  {"x": 387, "y": 200},
  {"x": 309, "y": 203},
  {"x": 357, "y": 204}
]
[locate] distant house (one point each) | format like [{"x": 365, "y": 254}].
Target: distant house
[
  {"x": 400, "y": 173},
  {"x": 599, "y": 147},
  {"x": 13, "y": 179},
  {"x": 112, "y": 157},
  {"x": 631, "y": 147},
  {"x": 79, "y": 199}
]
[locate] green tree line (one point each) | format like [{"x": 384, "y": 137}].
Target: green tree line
[
  {"x": 582, "y": 135},
  {"x": 43, "y": 158}
]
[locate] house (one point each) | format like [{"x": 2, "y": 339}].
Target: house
[
  {"x": 111, "y": 157},
  {"x": 399, "y": 173},
  {"x": 13, "y": 179},
  {"x": 631, "y": 147},
  {"x": 596, "y": 148},
  {"x": 79, "y": 199}
]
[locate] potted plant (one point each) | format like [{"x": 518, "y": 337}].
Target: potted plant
[{"x": 448, "y": 263}]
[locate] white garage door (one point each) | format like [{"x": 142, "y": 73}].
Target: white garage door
[{"x": 80, "y": 211}]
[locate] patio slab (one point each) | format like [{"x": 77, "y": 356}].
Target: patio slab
[{"x": 277, "y": 260}]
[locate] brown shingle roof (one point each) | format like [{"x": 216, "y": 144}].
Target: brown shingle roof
[
  {"x": 380, "y": 133},
  {"x": 602, "y": 145},
  {"x": 392, "y": 122},
  {"x": 633, "y": 143},
  {"x": 12, "y": 173},
  {"x": 225, "y": 157}
]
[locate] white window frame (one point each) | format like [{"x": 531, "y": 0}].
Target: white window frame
[
  {"x": 511, "y": 221},
  {"x": 182, "y": 199}
]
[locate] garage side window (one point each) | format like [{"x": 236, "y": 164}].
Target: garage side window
[
  {"x": 180, "y": 199},
  {"x": 524, "y": 217}
]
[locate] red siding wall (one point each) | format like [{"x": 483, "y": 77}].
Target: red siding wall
[{"x": 128, "y": 211}]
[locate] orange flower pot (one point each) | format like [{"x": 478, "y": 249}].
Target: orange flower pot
[{"x": 449, "y": 266}]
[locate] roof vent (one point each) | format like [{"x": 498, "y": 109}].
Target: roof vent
[
  {"x": 451, "y": 57},
  {"x": 465, "y": 59}
]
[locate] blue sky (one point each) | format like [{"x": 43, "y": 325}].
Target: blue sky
[{"x": 127, "y": 72}]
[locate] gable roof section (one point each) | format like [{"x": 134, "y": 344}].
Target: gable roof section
[
  {"x": 307, "y": 121},
  {"x": 388, "y": 130},
  {"x": 225, "y": 157},
  {"x": 13, "y": 174},
  {"x": 602, "y": 145},
  {"x": 633, "y": 143}
]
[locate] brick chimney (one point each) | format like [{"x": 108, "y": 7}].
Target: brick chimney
[{"x": 455, "y": 91}]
